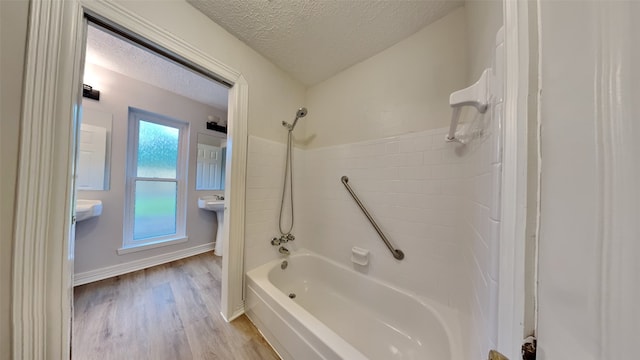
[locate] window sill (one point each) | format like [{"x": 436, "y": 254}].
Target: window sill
[{"x": 153, "y": 245}]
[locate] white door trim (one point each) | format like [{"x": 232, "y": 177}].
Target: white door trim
[
  {"x": 511, "y": 288},
  {"x": 232, "y": 302},
  {"x": 43, "y": 254},
  {"x": 42, "y": 267},
  {"x": 617, "y": 148}
]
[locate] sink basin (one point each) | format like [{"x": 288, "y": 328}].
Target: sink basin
[
  {"x": 211, "y": 203},
  {"x": 86, "y": 209},
  {"x": 214, "y": 203}
]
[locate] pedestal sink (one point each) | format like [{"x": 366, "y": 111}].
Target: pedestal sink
[
  {"x": 214, "y": 203},
  {"x": 86, "y": 209}
]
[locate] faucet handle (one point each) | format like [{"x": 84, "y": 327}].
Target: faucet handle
[
  {"x": 283, "y": 250},
  {"x": 290, "y": 237},
  {"x": 275, "y": 241}
]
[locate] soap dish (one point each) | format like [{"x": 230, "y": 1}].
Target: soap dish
[{"x": 359, "y": 256}]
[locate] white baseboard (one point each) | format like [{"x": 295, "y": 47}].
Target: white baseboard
[
  {"x": 115, "y": 270},
  {"x": 235, "y": 314}
]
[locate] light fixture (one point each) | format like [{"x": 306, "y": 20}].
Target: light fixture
[{"x": 88, "y": 92}]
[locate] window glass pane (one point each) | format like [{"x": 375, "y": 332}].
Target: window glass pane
[
  {"x": 155, "y": 209},
  {"x": 157, "y": 150}
]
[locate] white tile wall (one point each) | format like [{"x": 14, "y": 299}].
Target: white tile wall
[
  {"x": 265, "y": 172},
  {"x": 482, "y": 208},
  {"x": 411, "y": 184},
  {"x": 435, "y": 201},
  {"x": 481, "y": 235}
]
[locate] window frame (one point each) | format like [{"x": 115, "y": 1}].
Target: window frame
[{"x": 135, "y": 116}]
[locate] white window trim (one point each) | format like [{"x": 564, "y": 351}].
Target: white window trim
[
  {"x": 151, "y": 245},
  {"x": 135, "y": 115}
]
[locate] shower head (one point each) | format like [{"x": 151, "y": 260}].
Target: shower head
[{"x": 302, "y": 112}]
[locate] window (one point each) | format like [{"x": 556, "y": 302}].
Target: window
[{"x": 156, "y": 184}]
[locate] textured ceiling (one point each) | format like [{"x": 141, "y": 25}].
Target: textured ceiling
[
  {"x": 115, "y": 54},
  {"x": 315, "y": 39}
]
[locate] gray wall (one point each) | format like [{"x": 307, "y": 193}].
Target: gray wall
[{"x": 97, "y": 239}]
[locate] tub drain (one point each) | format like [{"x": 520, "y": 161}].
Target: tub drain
[{"x": 292, "y": 296}]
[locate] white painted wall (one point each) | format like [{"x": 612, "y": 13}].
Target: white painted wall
[
  {"x": 588, "y": 263},
  {"x": 483, "y": 19},
  {"x": 402, "y": 89},
  {"x": 569, "y": 260},
  {"x": 13, "y": 34},
  {"x": 98, "y": 238},
  {"x": 273, "y": 95}
]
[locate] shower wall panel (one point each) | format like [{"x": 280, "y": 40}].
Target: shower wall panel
[
  {"x": 413, "y": 186},
  {"x": 265, "y": 173}
]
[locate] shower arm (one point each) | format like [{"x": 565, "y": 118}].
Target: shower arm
[
  {"x": 289, "y": 126},
  {"x": 397, "y": 253}
]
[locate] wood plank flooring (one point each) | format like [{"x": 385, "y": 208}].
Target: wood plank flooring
[{"x": 171, "y": 312}]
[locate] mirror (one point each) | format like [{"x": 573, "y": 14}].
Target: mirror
[
  {"x": 210, "y": 168},
  {"x": 92, "y": 172}
]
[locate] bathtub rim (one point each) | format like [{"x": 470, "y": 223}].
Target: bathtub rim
[
  {"x": 327, "y": 338},
  {"x": 266, "y": 290},
  {"x": 446, "y": 316}
]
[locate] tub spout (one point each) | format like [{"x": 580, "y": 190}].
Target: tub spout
[{"x": 283, "y": 250}]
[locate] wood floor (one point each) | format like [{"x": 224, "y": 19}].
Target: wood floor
[{"x": 170, "y": 311}]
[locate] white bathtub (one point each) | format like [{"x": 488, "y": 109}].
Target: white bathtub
[{"x": 338, "y": 313}]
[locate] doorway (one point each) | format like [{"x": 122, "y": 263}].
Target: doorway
[
  {"x": 154, "y": 113},
  {"x": 43, "y": 241}
]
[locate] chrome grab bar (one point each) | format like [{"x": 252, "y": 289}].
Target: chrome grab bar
[{"x": 397, "y": 253}]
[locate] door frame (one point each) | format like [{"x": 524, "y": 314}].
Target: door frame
[
  {"x": 42, "y": 290},
  {"x": 511, "y": 285}
]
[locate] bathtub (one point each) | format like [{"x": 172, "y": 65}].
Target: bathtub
[{"x": 337, "y": 313}]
